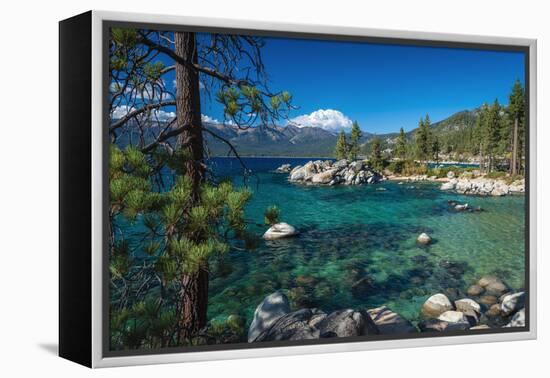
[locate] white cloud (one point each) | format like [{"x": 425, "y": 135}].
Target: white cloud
[
  {"x": 328, "y": 119},
  {"x": 122, "y": 110},
  {"x": 163, "y": 115},
  {"x": 207, "y": 119}
]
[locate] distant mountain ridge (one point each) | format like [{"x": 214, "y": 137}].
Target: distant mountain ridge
[{"x": 290, "y": 140}]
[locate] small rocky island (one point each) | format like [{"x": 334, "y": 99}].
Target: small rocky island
[{"x": 327, "y": 172}]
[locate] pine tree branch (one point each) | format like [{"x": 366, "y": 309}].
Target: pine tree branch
[
  {"x": 134, "y": 113},
  {"x": 231, "y": 147},
  {"x": 206, "y": 70}
]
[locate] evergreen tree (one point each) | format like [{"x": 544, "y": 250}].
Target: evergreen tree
[
  {"x": 516, "y": 112},
  {"x": 401, "y": 145},
  {"x": 480, "y": 135},
  {"x": 354, "y": 141},
  {"x": 493, "y": 123},
  {"x": 375, "y": 159},
  {"x": 168, "y": 220},
  {"x": 138, "y": 87},
  {"x": 423, "y": 139},
  {"x": 342, "y": 149},
  {"x": 435, "y": 148}
]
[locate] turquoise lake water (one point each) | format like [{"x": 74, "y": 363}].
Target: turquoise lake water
[{"x": 357, "y": 244}]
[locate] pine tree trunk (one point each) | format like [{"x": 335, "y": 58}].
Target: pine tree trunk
[
  {"x": 514, "y": 165},
  {"x": 481, "y": 165},
  {"x": 194, "y": 294}
]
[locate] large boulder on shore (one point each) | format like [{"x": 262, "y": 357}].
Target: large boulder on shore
[
  {"x": 388, "y": 322},
  {"x": 448, "y": 185},
  {"x": 280, "y": 230},
  {"x": 493, "y": 286},
  {"x": 340, "y": 164},
  {"x": 517, "y": 186},
  {"x": 436, "y": 305},
  {"x": 343, "y": 323},
  {"x": 297, "y": 325},
  {"x": 518, "y": 320},
  {"x": 267, "y": 313},
  {"x": 475, "y": 290},
  {"x": 457, "y": 319},
  {"x": 512, "y": 302},
  {"x": 466, "y": 305},
  {"x": 438, "y": 325}
]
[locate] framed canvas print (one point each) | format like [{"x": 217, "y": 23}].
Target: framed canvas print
[{"x": 237, "y": 189}]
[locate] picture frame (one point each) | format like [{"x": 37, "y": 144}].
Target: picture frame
[{"x": 84, "y": 165}]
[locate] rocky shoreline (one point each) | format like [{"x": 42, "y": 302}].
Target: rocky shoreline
[
  {"x": 483, "y": 186},
  {"x": 490, "y": 304},
  {"x": 344, "y": 172}
]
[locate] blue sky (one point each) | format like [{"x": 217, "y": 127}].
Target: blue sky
[{"x": 383, "y": 87}]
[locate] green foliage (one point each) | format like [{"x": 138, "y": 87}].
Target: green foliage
[
  {"x": 183, "y": 230},
  {"x": 354, "y": 141},
  {"x": 272, "y": 215},
  {"x": 401, "y": 145},
  {"x": 376, "y": 161},
  {"x": 153, "y": 71},
  {"x": 435, "y": 148},
  {"x": 423, "y": 136},
  {"x": 441, "y": 172},
  {"x": 342, "y": 149},
  {"x": 408, "y": 168},
  {"x": 124, "y": 36},
  {"x": 495, "y": 175}
]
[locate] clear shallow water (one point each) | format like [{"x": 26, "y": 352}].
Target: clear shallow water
[{"x": 357, "y": 245}]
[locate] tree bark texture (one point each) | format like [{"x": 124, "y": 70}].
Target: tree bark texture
[{"x": 194, "y": 292}]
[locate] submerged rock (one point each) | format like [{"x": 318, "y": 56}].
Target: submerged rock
[
  {"x": 388, "y": 322},
  {"x": 493, "y": 286},
  {"x": 363, "y": 287},
  {"x": 436, "y": 305},
  {"x": 475, "y": 290},
  {"x": 461, "y": 207},
  {"x": 423, "y": 239},
  {"x": 267, "y": 313},
  {"x": 280, "y": 230}
]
